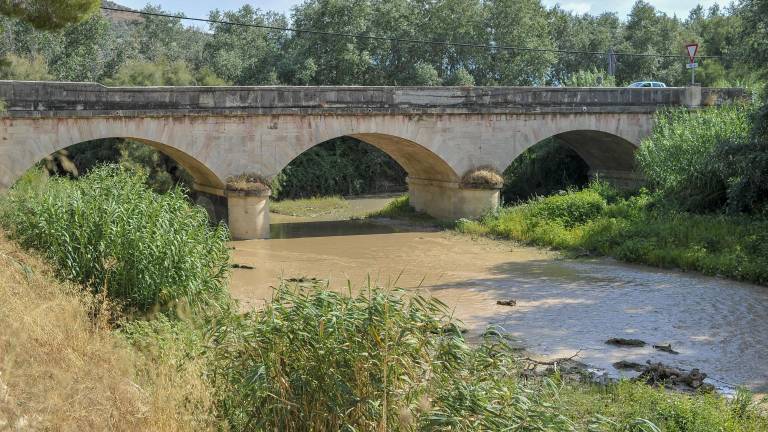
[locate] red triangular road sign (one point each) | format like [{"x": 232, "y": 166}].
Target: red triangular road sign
[{"x": 692, "y": 50}]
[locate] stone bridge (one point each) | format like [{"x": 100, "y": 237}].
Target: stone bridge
[{"x": 437, "y": 134}]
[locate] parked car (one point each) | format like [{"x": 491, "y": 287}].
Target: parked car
[{"x": 647, "y": 84}]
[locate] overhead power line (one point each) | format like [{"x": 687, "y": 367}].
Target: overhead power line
[{"x": 397, "y": 39}]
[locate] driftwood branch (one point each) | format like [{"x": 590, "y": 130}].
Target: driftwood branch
[{"x": 549, "y": 363}]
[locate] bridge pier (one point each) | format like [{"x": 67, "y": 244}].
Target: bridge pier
[
  {"x": 245, "y": 213},
  {"x": 448, "y": 200}
]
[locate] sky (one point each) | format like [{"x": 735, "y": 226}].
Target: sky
[{"x": 199, "y": 9}]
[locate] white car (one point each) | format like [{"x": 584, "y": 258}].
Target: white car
[{"x": 645, "y": 84}]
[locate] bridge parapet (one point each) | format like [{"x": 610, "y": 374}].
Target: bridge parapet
[{"x": 60, "y": 99}]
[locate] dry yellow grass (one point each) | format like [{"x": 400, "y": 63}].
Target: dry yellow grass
[
  {"x": 62, "y": 370},
  {"x": 248, "y": 182},
  {"x": 482, "y": 178}
]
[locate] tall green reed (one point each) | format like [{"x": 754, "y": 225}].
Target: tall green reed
[
  {"x": 315, "y": 359},
  {"x": 109, "y": 231}
]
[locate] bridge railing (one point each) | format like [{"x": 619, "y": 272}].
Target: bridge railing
[{"x": 25, "y": 98}]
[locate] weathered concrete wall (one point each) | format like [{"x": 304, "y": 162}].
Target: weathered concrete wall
[
  {"x": 212, "y": 148},
  {"x": 248, "y": 216},
  {"x": 88, "y": 100},
  {"x": 447, "y": 200}
]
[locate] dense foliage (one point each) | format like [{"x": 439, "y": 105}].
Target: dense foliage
[
  {"x": 316, "y": 359},
  {"x": 680, "y": 160},
  {"x": 709, "y": 160},
  {"x": 112, "y": 46},
  {"x": 49, "y": 14},
  {"x": 111, "y": 233},
  {"x": 343, "y": 166}
]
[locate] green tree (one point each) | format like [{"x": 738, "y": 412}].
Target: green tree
[
  {"x": 25, "y": 69},
  {"x": 156, "y": 38},
  {"x": 337, "y": 60},
  {"x": 590, "y": 78},
  {"x": 754, "y": 32},
  {"x": 517, "y": 23},
  {"x": 651, "y": 32},
  {"x": 460, "y": 77},
  {"x": 423, "y": 74},
  {"x": 245, "y": 55},
  {"x": 582, "y": 33},
  {"x": 49, "y": 14}
]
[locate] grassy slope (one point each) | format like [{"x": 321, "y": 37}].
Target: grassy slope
[
  {"x": 633, "y": 230},
  {"x": 60, "y": 370}
]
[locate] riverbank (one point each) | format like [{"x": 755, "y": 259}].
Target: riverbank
[{"x": 599, "y": 221}]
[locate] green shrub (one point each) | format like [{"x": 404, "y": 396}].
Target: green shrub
[
  {"x": 680, "y": 158},
  {"x": 629, "y": 406},
  {"x": 110, "y": 232},
  {"x": 570, "y": 209},
  {"x": 745, "y": 166}
]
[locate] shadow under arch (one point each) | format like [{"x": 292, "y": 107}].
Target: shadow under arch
[
  {"x": 602, "y": 151},
  {"x": 200, "y": 173},
  {"x": 417, "y": 161}
]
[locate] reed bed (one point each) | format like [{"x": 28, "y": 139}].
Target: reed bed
[
  {"x": 111, "y": 233},
  {"x": 315, "y": 359}
]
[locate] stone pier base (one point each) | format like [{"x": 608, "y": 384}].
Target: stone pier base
[
  {"x": 248, "y": 216},
  {"x": 447, "y": 200},
  {"x": 245, "y": 213}
]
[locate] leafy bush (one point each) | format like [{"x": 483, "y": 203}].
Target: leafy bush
[
  {"x": 111, "y": 233},
  {"x": 680, "y": 158},
  {"x": 628, "y": 406},
  {"x": 590, "y": 78},
  {"x": 13, "y": 67},
  {"x": 569, "y": 208},
  {"x": 745, "y": 167}
]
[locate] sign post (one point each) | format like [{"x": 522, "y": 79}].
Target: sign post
[{"x": 692, "y": 49}]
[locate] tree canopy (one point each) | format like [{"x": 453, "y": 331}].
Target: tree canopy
[
  {"x": 535, "y": 45},
  {"x": 49, "y": 14}
]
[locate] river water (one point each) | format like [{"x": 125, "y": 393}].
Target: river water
[{"x": 562, "y": 306}]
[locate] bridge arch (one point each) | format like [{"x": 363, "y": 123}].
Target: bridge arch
[
  {"x": 41, "y": 145},
  {"x": 608, "y": 153},
  {"x": 602, "y": 151},
  {"x": 418, "y": 161}
]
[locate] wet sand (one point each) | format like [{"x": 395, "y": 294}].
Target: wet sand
[{"x": 563, "y": 306}]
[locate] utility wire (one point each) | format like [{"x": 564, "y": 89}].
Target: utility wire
[{"x": 400, "y": 40}]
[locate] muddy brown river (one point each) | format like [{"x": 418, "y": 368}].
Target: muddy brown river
[{"x": 562, "y": 306}]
